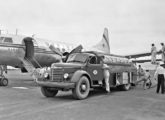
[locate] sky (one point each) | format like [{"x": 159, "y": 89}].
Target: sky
[{"x": 133, "y": 24}]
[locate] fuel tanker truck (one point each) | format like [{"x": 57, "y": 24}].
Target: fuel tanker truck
[{"x": 83, "y": 71}]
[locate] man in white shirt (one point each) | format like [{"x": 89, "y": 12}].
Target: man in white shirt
[
  {"x": 106, "y": 75},
  {"x": 163, "y": 52},
  {"x": 140, "y": 72},
  {"x": 159, "y": 76},
  {"x": 146, "y": 78},
  {"x": 153, "y": 54}
]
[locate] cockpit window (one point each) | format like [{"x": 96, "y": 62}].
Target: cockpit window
[{"x": 8, "y": 40}]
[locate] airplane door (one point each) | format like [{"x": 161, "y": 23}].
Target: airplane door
[
  {"x": 95, "y": 69},
  {"x": 29, "y": 47}
]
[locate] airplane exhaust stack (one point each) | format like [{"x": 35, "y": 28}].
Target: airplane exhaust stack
[{"x": 103, "y": 45}]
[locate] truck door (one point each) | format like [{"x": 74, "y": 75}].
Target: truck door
[{"x": 95, "y": 69}]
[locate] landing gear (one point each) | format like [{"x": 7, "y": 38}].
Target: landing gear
[{"x": 3, "y": 80}]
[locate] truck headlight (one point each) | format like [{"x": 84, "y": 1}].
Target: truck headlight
[{"x": 66, "y": 75}]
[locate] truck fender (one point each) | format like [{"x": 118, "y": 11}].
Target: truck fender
[{"x": 76, "y": 76}]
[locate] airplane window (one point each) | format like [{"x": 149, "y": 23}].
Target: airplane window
[{"x": 8, "y": 40}]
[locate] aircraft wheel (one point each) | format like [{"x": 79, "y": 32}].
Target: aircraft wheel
[
  {"x": 4, "y": 82},
  {"x": 48, "y": 92},
  {"x": 82, "y": 88},
  {"x": 126, "y": 87}
]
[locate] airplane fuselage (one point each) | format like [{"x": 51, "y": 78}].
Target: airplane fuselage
[
  {"x": 8, "y": 55},
  {"x": 11, "y": 45}
]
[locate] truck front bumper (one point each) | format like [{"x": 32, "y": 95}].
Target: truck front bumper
[{"x": 66, "y": 85}]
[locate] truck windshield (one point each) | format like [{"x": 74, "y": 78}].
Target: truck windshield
[{"x": 77, "y": 58}]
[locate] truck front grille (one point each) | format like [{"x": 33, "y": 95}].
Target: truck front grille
[{"x": 57, "y": 74}]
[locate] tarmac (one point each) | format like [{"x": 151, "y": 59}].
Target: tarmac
[{"x": 22, "y": 100}]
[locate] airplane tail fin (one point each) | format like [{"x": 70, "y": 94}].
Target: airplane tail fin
[{"x": 103, "y": 45}]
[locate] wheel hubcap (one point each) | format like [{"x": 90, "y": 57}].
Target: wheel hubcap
[{"x": 83, "y": 87}]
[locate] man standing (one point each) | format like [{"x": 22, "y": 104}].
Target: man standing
[
  {"x": 163, "y": 52},
  {"x": 146, "y": 78},
  {"x": 153, "y": 54},
  {"x": 159, "y": 76},
  {"x": 106, "y": 77},
  {"x": 140, "y": 71}
]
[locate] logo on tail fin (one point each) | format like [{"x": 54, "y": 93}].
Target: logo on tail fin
[{"x": 103, "y": 45}]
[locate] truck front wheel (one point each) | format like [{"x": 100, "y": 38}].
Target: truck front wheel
[
  {"x": 82, "y": 88},
  {"x": 48, "y": 92}
]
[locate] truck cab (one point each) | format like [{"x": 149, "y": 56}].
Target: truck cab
[{"x": 81, "y": 72}]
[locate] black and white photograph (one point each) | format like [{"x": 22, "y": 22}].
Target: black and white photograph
[{"x": 82, "y": 60}]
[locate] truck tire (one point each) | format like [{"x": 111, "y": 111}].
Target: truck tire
[
  {"x": 47, "y": 92},
  {"x": 82, "y": 88},
  {"x": 126, "y": 87},
  {"x": 3, "y": 81}
]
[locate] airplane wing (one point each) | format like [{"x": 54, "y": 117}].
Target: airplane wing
[
  {"x": 139, "y": 55},
  {"x": 143, "y": 61}
]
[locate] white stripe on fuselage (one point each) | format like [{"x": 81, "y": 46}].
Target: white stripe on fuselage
[{"x": 14, "y": 47}]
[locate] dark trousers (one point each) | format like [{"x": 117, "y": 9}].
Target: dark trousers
[{"x": 160, "y": 83}]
